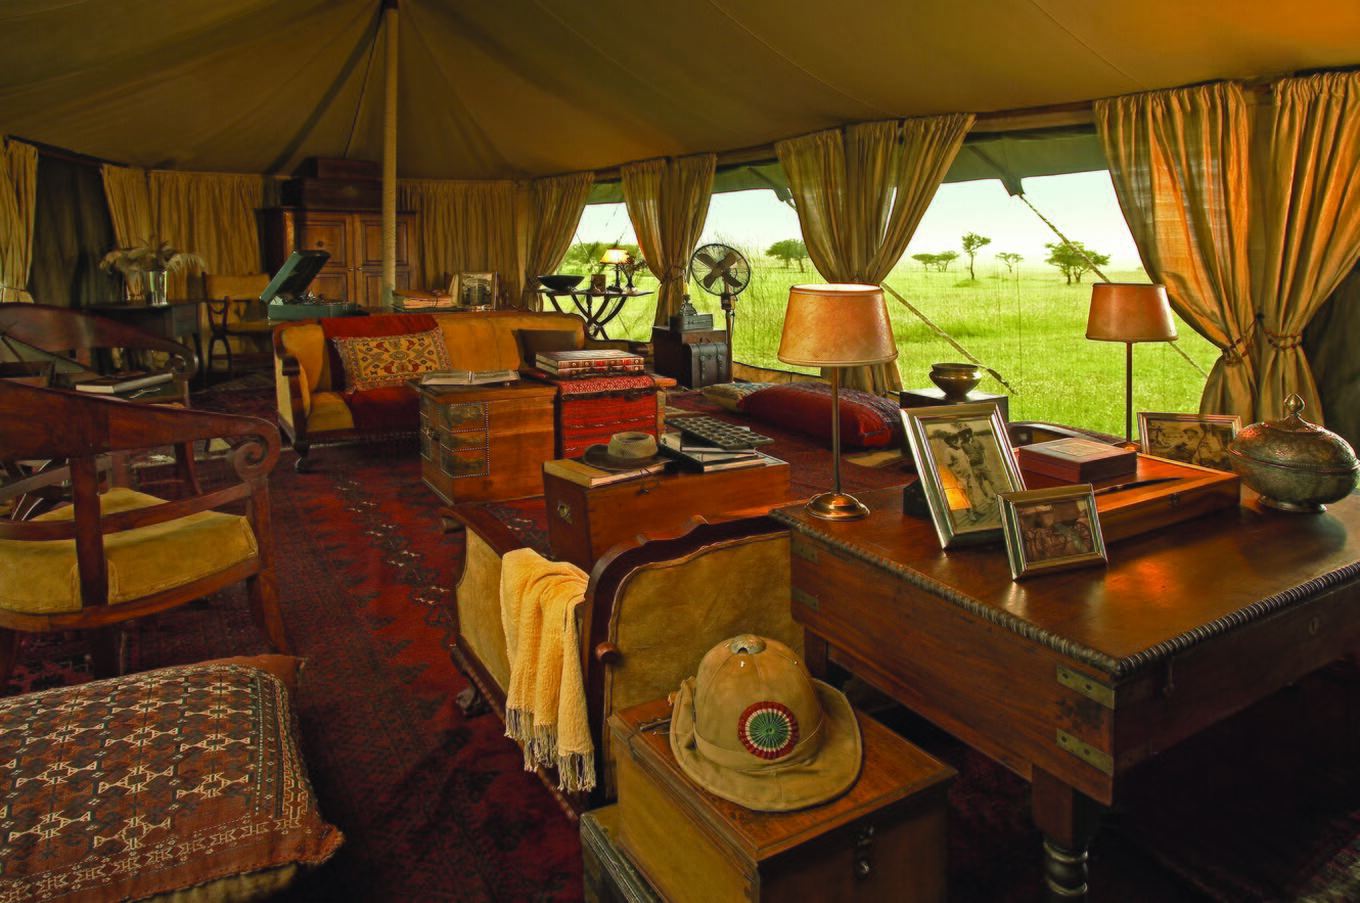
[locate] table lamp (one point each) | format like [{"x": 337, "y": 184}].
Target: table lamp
[
  {"x": 1129, "y": 312},
  {"x": 616, "y": 257},
  {"x": 836, "y": 325}
]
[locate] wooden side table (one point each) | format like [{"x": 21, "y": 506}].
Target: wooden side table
[{"x": 925, "y": 398}]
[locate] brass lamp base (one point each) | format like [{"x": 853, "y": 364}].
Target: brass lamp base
[{"x": 836, "y": 506}]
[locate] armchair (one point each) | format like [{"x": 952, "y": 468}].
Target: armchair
[
  {"x": 114, "y": 553},
  {"x": 235, "y": 311}
]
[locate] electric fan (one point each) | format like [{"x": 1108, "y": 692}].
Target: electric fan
[{"x": 721, "y": 270}]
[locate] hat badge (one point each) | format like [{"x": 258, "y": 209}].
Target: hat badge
[{"x": 768, "y": 729}]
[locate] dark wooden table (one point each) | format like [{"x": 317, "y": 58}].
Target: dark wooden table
[
  {"x": 174, "y": 320},
  {"x": 1073, "y": 679},
  {"x": 596, "y": 307}
]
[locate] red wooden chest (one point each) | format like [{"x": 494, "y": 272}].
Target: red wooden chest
[{"x": 588, "y": 411}]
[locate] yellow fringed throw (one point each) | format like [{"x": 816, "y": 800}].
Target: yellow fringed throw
[{"x": 545, "y": 706}]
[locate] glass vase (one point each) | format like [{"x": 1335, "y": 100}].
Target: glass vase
[{"x": 156, "y": 282}]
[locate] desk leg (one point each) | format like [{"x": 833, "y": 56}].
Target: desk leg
[{"x": 1068, "y": 819}]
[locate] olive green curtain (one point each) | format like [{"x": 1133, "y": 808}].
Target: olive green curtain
[
  {"x": 18, "y": 201},
  {"x": 1179, "y": 161},
  {"x": 667, "y": 201},
  {"x": 211, "y": 215},
  {"x": 1309, "y": 178},
  {"x": 860, "y": 194},
  {"x": 463, "y": 227},
  {"x": 553, "y": 212}
]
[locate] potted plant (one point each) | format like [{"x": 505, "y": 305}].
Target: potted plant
[{"x": 144, "y": 267}]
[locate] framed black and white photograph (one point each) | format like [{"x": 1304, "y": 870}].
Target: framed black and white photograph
[
  {"x": 1200, "y": 439},
  {"x": 965, "y": 462},
  {"x": 475, "y": 290},
  {"x": 1051, "y": 530}
]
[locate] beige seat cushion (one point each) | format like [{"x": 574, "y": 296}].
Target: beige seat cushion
[{"x": 42, "y": 578}]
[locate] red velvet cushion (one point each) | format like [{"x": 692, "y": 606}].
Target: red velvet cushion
[
  {"x": 388, "y": 409},
  {"x": 867, "y": 421}
]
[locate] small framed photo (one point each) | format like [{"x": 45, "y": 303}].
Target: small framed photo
[
  {"x": 1051, "y": 530},
  {"x": 1201, "y": 439},
  {"x": 599, "y": 282},
  {"x": 475, "y": 290},
  {"x": 964, "y": 462}
]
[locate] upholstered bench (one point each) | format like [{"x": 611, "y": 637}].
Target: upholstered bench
[{"x": 184, "y": 781}]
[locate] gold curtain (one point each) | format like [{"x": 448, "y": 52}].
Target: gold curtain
[
  {"x": 129, "y": 200},
  {"x": 554, "y": 211},
  {"x": 1179, "y": 161},
  {"x": 1309, "y": 178},
  {"x": 18, "y": 200},
  {"x": 211, "y": 215},
  {"x": 860, "y": 194},
  {"x": 463, "y": 227},
  {"x": 667, "y": 201}
]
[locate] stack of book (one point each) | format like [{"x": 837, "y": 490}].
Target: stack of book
[
  {"x": 696, "y": 456},
  {"x": 577, "y": 471},
  {"x": 590, "y": 362},
  {"x": 119, "y": 383}
]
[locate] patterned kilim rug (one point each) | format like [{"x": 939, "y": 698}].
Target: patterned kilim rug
[{"x": 436, "y": 807}]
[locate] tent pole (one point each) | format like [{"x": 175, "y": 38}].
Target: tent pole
[{"x": 389, "y": 183}]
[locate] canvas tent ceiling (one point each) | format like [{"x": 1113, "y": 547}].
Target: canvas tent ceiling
[{"x": 514, "y": 89}]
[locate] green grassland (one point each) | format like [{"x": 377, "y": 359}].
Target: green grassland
[{"x": 1029, "y": 327}]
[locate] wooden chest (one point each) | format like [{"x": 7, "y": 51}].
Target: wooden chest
[
  {"x": 485, "y": 443},
  {"x": 585, "y": 522},
  {"x": 592, "y": 409},
  {"x": 694, "y": 359},
  {"x": 885, "y": 839}
]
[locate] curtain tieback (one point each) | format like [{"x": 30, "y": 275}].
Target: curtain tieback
[
  {"x": 1235, "y": 351},
  {"x": 1284, "y": 341}
]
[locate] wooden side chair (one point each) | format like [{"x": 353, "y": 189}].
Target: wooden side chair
[
  {"x": 235, "y": 312},
  {"x": 114, "y": 553}
]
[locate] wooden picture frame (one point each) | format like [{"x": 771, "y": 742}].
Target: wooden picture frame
[
  {"x": 1053, "y": 529},
  {"x": 1199, "y": 439},
  {"x": 476, "y": 291},
  {"x": 964, "y": 462}
]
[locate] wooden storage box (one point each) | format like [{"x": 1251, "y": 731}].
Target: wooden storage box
[
  {"x": 485, "y": 443},
  {"x": 885, "y": 839},
  {"x": 585, "y": 522},
  {"x": 334, "y": 168},
  {"x": 332, "y": 194}
]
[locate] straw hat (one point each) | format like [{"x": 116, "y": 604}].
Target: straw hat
[
  {"x": 753, "y": 727},
  {"x": 625, "y": 451}
]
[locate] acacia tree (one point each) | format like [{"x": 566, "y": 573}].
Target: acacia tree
[
  {"x": 787, "y": 250},
  {"x": 1010, "y": 259},
  {"x": 971, "y": 242},
  {"x": 937, "y": 262},
  {"x": 1072, "y": 258}
]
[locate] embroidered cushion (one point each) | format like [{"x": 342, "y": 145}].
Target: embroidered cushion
[
  {"x": 729, "y": 395},
  {"x": 185, "y": 779},
  {"x": 867, "y": 421},
  {"x": 371, "y": 362}
]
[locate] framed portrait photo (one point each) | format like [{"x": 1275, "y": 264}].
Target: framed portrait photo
[
  {"x": 1200, "y": 439},
  {"x": 964, "y": 462},
  {"x": 1051, "y": 530},
  {"x": 475, "y": 290}
]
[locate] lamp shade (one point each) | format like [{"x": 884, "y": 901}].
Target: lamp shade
[
  {"x": 836, "y": 325},
  {"x": 615, "y": 256},
  {"x": 1130, "y": 312}
]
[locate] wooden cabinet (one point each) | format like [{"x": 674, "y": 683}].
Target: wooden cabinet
[{"x": 354, "y": 240}]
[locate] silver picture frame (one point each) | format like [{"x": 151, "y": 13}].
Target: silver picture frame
[
  {"x": 1199, "y": 439},
  {"x": 1054, "y": 529}
]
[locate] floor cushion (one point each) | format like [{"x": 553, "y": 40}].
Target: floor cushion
[
  {"x": 866, "y": 421},
  {"x": 184, "y": 780}
]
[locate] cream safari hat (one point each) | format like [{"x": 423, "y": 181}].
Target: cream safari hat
[
  {"x": 753, "y": 727},
  {"x": 625, "y": 451}
]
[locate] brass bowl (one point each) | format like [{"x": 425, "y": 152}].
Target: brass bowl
[
  {"x": 955, "y": 380},
  {"x": 1292, "y": 464}
]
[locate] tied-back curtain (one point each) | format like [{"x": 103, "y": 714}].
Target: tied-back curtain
[
  {"x": 1179, "y": 161},
  {"x": 463, "y": 227},
  {"x": 860, "y": 194},
  {"x": 211, "y": 215},
  {"x": 667, "y": 201},
  {"x": 555, "y": 206},
  {"x": 18, "y": 202},
  {"x": 1309, "y": 177}
]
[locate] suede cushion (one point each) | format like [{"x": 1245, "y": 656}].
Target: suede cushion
[
  {"x": 532, "y": 342},
  {"x": 184, "y": 781},
  {"x": 729, "y": 395},
  {"x": 41, "y": 577},
  {"x": 375, "y": 362},
  {"x": 866, "y": 421}
]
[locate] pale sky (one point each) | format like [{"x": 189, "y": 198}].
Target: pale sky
[{"x": 1081, "y": 205}]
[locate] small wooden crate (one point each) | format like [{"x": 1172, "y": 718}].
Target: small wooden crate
[
  {"x": 485, "y": 443},
  {"x": 885, "y": 839},
  {"x": 584, "y": 522}
]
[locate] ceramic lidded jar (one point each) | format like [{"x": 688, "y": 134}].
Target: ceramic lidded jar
[{"x": 1294, "y": 465}]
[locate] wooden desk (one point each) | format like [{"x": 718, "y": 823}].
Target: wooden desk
[
  {"x": 1073, "y": 679},
  {"x": 172, "y": 321}
]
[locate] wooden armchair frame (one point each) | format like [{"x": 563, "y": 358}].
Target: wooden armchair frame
[{"x": 74, "y": 435}]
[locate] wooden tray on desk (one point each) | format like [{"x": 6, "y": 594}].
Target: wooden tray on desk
[{"x": 1195, "y": 491}]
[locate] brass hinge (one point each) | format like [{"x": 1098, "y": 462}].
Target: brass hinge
[
  {"x": 803, "y": 597},
  {"x": 804, "y": 551},
  {"x": 1086, "y": 686},
  {"x": 1086, "y": 752}
]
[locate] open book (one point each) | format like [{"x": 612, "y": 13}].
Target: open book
[
  {"x": 467, "y": 377},
  {"x": 123, "y": 382}
]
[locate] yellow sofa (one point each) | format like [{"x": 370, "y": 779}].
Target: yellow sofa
[{"x": 313, "y": 405}]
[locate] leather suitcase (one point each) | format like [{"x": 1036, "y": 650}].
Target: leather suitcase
[
  {"x": 885, "y": 839},
  {"x": 694, "y": 359}
]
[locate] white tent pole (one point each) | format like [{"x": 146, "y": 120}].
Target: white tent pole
[{"x": 389, "y": 186}]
